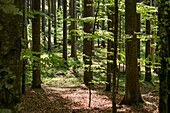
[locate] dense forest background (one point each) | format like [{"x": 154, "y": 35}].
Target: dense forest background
[{"x": 92, "y": 56}]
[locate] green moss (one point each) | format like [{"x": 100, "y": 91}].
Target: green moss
[{"x": 1, "y": 27}]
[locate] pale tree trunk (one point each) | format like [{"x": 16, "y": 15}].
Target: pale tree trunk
[
  {"x": 10, "y": 48},
  {"x": 36, "y": 83}
]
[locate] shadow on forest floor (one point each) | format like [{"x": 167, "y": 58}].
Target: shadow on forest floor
[{"x": 75, "y": 100}]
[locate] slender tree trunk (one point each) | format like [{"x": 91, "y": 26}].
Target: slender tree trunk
[
  {"x": 10, "y": 48},
  {"x": 36, "y": 83},
  {"x": 109, "y": 48},
  {"x": 119, "y": 50},
  {"x": 148, "y": 76},
  {"x": 43, "y": 21},
  {"x": 65, "y": 31},
  {"x": 132, "y": 89},
  {"x": 55, "y": 26},
  {"x": 115, "y": 57},
  {"x": 73, "y": 33},
  {"x": 49, "y": 25},
  {"x": 24, "y": 36},
  {"x": 103, "y": 27},
  {"x": 87, "y": 43},
  {"x": 138, "y": 39}
]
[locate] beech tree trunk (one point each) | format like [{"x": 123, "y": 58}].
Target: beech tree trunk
[
  {"x": 36, "y": 83},
  {"x": 132, "y": 89},
  {"x": 55, "y": 26},
  {"x": 87, "y": 43}
]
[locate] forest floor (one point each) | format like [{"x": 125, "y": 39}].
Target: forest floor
[{"x": 74, "y": 99}]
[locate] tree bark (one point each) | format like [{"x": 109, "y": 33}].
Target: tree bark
[
  {"x": 148, "y": 76},
  {"x": 73, "y": 33},
  {"x": 55, "y": 26},
  {"x": 65, "y": 31},
  {"x": 10, "y": 48},
  {"x": 110, "y": 48},
  {"x": 87, "y": 43},
  {"x": 115, "y": 57},
  {"x": 132, "y": 89},
  {"x": 49, "y": 25},
  {"x": 163, "y": 23},
  {"x": 36, "y": 83},
  {"x": 43, "y": 21}
]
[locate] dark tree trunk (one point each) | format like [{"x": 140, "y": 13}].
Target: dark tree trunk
[
  {"x": 55, "y": 29},
  {"x": 115, "y": 58},
  {"x": 132, "y": 88},
  {"x": 138, "y": 39},
  {"x": 36, "y": 83},
  {"x": 73, "y": 33},
  {"x": 103, "y": 27},
  {"x": 119, "y": 50},
  {"x": 65, "y": 31},
  {"x": 49, "y": 25},
  {"x": 110, "y": 48},
  {"x": 148, "y": 76},
  {"x": 43, "y": 21},
  {"x": 87, "y": 43},
  {"x": 24, "y": 36},
  {"x": 163, "y": 23},
  {"x": 10, "y": 48}
]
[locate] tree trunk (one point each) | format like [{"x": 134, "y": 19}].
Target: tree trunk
[
  {"x": 110, "y": 48},
  {"x": 65, "y": 31},
  {"x": 87, "y": 43},
  {"x": 138, "y": 39},
  {"x": 55, "y": 29},
  {"x": 43, "y": 21},
  {"x": 103, "y": 28},
  {"x": 10, "y": 48},
  {"x": 115, "y": 58},
  {"x": 73, "y": 33},
  {"x": 24, "y": 36},
  {"x": 163, "y": 23},
  {"x": 36, "y": 83},
  {"x": 49, "y": 25},
  {"x": 132, "y": 89}
]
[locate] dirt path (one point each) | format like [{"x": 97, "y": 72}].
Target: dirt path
[{"x": 75, "y": 100}]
